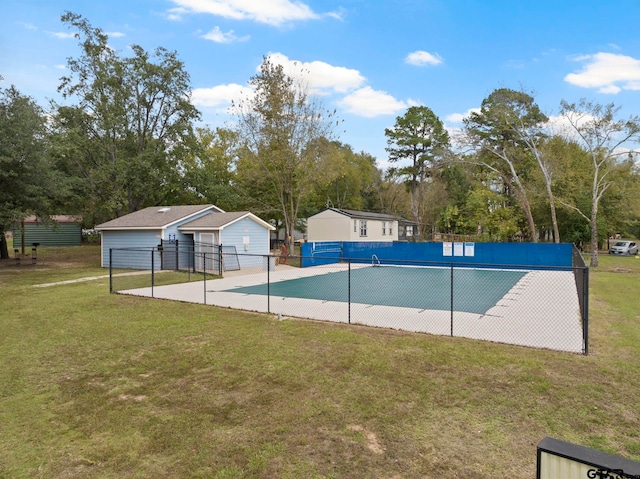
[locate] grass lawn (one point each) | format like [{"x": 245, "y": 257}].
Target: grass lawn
[{"x": 98, "y": 385}]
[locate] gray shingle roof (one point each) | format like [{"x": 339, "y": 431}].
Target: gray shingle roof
[
  {"x": 155, "y": 217},
  {"x": 369, "y": 215},
  {"x": 216, "y": 220}
]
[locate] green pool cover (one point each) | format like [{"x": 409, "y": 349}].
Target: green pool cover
[{"x": 474, "y": 290}]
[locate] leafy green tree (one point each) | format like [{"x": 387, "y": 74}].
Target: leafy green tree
[
  {"x": 210, "y": 170},
  {"x": 392, "y": 195},
  {"x": 418, "y": 136},
  {"x": 447, "y": 197},
  {"x": 572, "y": 172},
  {"x": 498, "y": 219},
  {"x": 619, "y": 210},
  {"x": 29, "y": 183},
  {"x": 348, "y": 179},
  {"x": 280, "y": 126},
  {"x": 507, "y": 132},
  {"x": 131, "y": 125},
  {"x": 605, "y": 139}
]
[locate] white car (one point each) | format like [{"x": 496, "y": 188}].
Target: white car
[{"x": 624, "y": 247}]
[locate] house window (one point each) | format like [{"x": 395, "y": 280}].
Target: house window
[
  {"x": 409, "y": 231},
  {"x": 355, "y": 226},
  {"x": 390, "y": 229},
  {"x": 363, "y": 227},
  {"x": 384, "y": 228}
]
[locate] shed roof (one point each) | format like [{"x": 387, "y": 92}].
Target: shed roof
[
  {"x": 220, "y": 220},
  {"x": 155, "y": 217}
]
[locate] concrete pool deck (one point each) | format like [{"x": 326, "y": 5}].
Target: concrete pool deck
[{"x": 541, "y": 310}]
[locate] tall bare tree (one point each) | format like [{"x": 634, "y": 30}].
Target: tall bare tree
[
  {"x": 607, "y": 141},
  {"x": 508, "y": 131},
  {"x": 280, "y": 125}
]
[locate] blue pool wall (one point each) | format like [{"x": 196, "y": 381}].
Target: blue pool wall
[{"x": 548, "y": 255}]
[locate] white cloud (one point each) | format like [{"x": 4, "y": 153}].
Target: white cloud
[
  {"x": 321, "y": 78},
  {"x": 457, "y": 133},
  {"x": 218, "y": 36},
  {"x": 220, "y": 96},
  {"x": 60, "y": 67},
  {"x": 62, "y": 35},
  {"x": 319, "y": 75},
  {"x": 608, "y": 72},
  {"x": 516, "y": 64},
  {"x": 561, "y": 126},
  {"x": 175, "y": 14},
  {"x": 28, "y": 26},
  {"x": 421, "y": 58},
  {"x": 270, "y": 12},
  {"x": 370, "y": 103},
  {"x": 459, "y": 117},
  {"x": 115, "y": 34}
]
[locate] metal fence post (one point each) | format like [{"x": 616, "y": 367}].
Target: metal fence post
[
  {"x": 110, "y": 270},
  {"x": 349, "y": 293},
  {"x": 585, "y": 313},
  {"x": 268, "y": 285},
  {"x": 152, "y": 271},
  {"x": 189, "y": 253},
  {"x": 177, "y": 256},
  {"x": 451, "y": 293},
  {"x": 204, "y": 268}
]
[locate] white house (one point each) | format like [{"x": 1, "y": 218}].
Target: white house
[
  {"x": 187, "y": 228},
  {"x": 334, "y": 224}
]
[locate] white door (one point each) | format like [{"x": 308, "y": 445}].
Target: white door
[{"x": 207, "y": 246}]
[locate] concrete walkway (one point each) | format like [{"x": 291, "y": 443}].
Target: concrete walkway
[
  {"x": 136, "y": 273},
  {"x": 90, "y": 278}
]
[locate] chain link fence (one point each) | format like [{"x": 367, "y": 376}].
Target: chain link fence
[{"x": 542, "y": 307}]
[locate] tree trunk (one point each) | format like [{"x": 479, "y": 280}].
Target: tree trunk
[
  {"x": 531, "y": 222},
  {"x": 594, "y": 236},
  {"x": 4, "y": 248},
  {"x": 22, "y": 244},
  {"x": 288, "y": 231},
  {"x": 554, "y": 219},
  {"x": 415, "y": 205},
  {"x": 523, "y": 200}
]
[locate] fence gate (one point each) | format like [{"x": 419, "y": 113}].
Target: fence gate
[
  {"x": 169, "y": 255},
  {"x": 230, "y": 260},
  {"x": 207, "y": 257}
]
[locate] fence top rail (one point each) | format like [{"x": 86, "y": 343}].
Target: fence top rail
[
  {"x": 577, "y": 258},
  {"x": 381, "y": 261},
  {"x": 378, "y": 262},
  {"x": 138, "y": 248}
]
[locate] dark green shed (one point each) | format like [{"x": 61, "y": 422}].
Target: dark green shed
[{"x": 61, "y": 231}]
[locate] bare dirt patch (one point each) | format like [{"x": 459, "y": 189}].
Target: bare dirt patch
[
  {"x": 127, "y": 397},
  {"x": 372, "y": 440},
  {"x": 622, "y": 270}
]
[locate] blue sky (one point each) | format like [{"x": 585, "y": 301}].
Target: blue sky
[{"x": 370, "y": 60}]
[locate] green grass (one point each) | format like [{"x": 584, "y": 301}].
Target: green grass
[
  {"x": 160, "y": 278},
  {"x": 95, "y": 385}
]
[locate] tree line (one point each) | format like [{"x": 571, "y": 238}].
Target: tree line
[{"x": 126, "y": 138}]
